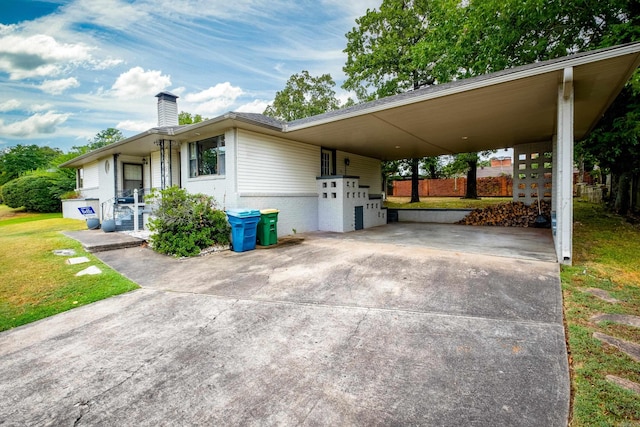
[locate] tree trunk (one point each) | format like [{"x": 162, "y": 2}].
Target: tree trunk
[
  {"x": 472, "y": 185},
  {"x": 635, "y": 192},
  {"x": 622, "y": 199},
  {"x": 415, "y": 181}
]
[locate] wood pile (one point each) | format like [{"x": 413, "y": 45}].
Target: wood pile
[{"x": 512, "y": 214}]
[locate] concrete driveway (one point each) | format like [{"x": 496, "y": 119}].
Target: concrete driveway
[{"x": 351, "y": 329}]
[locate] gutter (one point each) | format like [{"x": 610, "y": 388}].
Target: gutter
[{"x": 106, "y": 148}]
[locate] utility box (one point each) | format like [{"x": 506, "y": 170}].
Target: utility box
[
  {"x": 244, "y": 224},
  {"x": 268, "y": 227}
]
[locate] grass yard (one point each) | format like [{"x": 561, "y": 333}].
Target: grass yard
[
  {"x": 444, "y": 202},
  {"x": 35, "y": 283},
  {"x": 606, "y": 256}
]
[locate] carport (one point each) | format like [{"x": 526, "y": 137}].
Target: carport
[{"x": 551, "y": 103}]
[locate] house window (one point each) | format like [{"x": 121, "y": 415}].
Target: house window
[
  {"x": 206, "y": 157},
  {"x": 80, "y": 178},
  {"x": 327, "y": 162}
]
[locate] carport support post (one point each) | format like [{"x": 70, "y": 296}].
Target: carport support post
[{"x": 563, "y": 170}]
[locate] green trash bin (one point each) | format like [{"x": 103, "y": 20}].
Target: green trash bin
[{"x": 268, "y": 227}]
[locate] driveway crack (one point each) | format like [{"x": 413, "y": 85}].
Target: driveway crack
[
  {"x": 309, "y": 412},
  {"x": 355, "y": 331},
  {"x": 85, "y": 407}
]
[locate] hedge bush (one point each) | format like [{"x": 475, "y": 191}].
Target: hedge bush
[
  {"x": 184, "y": 224},
  {"x": 37, "y": 192}
]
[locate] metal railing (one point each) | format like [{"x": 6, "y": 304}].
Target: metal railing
[{"x": 129, "y": 200}]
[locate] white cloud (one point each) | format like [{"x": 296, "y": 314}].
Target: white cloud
[
  {"x": 105, "y": 63},
  {"x": 56, "y": 87},
  {"x": 10, "y": 105},
  {"x": 352, "y": 9},
  {"x": 221, "y": 90},
  {"x": 214, "y": 100},
  {"x": 135, "y": 125},
  {"x": 34, "y": 125},
  {"x": 137, "y": 83},
  {"x": 115, "y": 14},
  {"x": 41, "y": 107},
  {"x": 178, "y": 90},
  {"x": 6, "y": 29},
  {"x": 344, "y": 96},
  {"x": 255, "y": 106},
  {"x": 39, "y": 55}
]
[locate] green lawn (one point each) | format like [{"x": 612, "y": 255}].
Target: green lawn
[
  {"x": 606, "y": 256},
  {"x": 444, "y": 202},
  {"x": 35, "y": 283}
]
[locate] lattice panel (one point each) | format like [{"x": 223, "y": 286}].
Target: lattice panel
[{"x": 532, "y": 169}]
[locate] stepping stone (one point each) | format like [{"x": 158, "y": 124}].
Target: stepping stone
[
  {"x": 602, "y": 294},
  {"x": 64, "y": 252},
  {"x": 89, "y": 270},
  {"x": 622, "y": 319},
  {"x": 630, "y": 349},
  {"x": 77, "y": 260},
  {"x": 624, "y": 383}
]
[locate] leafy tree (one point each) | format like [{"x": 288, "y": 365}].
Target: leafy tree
[
  {"x": 102, "y": 138},
  {"x": 482, "y": 36},
  {"x": 467, "y": 163},
  {"x": 185, "y": 118},
  {"x": 380, "y": 49},
  {"x": 380, "y": 53},
  {"x": 390, "y": 168},
  {"x": 304, "y": 96},
  {"x": 615, "y": 143},
  {"x": 20, "y": 159},
  {"x": 433, "y": 167},
  {"x": 105, "y": 137},
  {"x": 493, "y": 35}
]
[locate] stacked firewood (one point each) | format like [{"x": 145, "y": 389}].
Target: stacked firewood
[{"x": 513, "y": 214}]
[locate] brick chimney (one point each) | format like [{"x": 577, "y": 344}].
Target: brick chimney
[{"x": 167, "y": 109}]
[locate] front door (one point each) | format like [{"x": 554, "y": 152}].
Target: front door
[
  {"x": 359, "y": 217},
  {"x": 132, "y": 178}
]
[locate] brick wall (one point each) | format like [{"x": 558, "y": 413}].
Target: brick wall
[{"x": 501, "y": 186}]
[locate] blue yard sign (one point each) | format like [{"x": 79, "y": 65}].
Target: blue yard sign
[{"x": 86, "y": 210}]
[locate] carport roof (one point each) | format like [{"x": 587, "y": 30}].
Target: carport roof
[{"x": 491, "y": 111}]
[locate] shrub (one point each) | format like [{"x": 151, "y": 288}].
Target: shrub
[
  {"x": 37, "y": 192},
  {"x": 184, "y": 223}
]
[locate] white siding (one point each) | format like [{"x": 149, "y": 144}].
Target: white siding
[
  {"x": 155, "y": 170},
  {"x": 91, "y": 176},
  {"x": 268, "y": 165},
  {"x": 297, "y": 213},
  {"x": 366, "y": 168},
  {"x": 175, "y": 167}
]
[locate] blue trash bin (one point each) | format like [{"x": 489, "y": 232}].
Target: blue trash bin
[{"x": 244, "y": 226}]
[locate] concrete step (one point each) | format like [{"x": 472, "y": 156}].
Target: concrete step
[{"x": 99, "y": 241}]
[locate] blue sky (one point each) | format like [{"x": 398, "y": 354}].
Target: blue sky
[{"x": 70, "y": 68}]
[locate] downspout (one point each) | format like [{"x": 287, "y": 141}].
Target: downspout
[
  {"x": 163, "y": 170},
  {"x": 170, "y": 163},
  {"x": 115, "y": 174}
]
